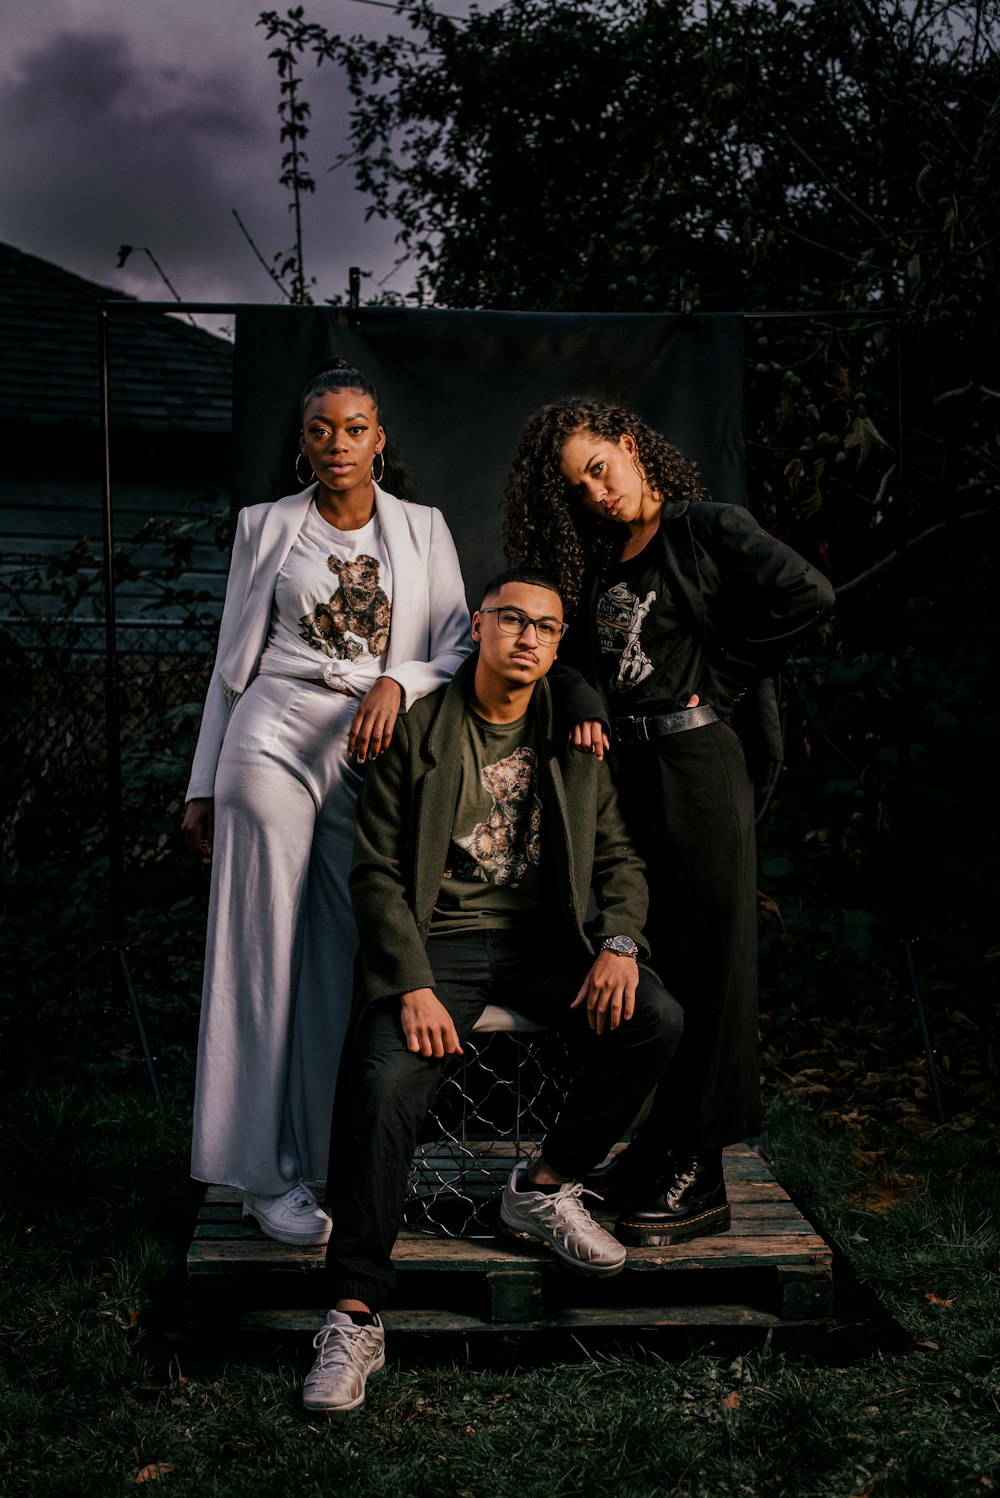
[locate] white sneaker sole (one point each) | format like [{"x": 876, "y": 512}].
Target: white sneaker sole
[
  {"x": 518, "y": 1231},
  {"x": 316, "y": 1407},
  {"x": 286, "y": 1235}
]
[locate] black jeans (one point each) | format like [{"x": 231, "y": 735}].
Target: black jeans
[{"x": 391, "y": 1089}]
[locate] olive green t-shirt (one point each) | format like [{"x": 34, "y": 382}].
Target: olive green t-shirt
[{"x": 492, "y": 873}]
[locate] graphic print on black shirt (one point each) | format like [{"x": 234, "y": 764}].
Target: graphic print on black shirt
[
  {"x": 619, "y": 617},
  {"x": 357, "y": 615},
  {"x": 503, "y": 847}
]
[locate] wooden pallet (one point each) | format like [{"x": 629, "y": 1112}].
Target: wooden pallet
[{"x": 772, "y": 1269}]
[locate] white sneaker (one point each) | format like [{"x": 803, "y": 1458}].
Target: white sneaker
[
  {"x": 560, "y": 1219},
  {"x": 293, "y": 1217},
  {"x": 347, "y": 1355}
]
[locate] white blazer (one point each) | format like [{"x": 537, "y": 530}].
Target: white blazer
[{"x": 429, "y": 634}]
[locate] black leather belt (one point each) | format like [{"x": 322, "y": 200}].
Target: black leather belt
[{"x": 644, "y": 730}]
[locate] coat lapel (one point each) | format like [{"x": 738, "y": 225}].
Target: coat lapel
[
  {"x": 437, "y": 793},
  {"x": 406, "y": 602},
  {"x": 281, "y": 526},
  {"x": 681, "y": 564}
]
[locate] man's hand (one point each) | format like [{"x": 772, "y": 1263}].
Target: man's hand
[
  {"x": 198, "y": 826},
  {"x": 590, "y": 737},
  {"x": 609, "y": 991},
  {"x": 371, "y": 731},
  {"x": 427, "y": 1025}
]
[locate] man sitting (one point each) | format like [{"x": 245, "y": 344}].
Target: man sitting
[{"x": 479, "y": 841}]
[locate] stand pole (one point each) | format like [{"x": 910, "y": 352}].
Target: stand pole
[
  {"x": 902, "y": 827},
  {"x": 116, "y": 949}
]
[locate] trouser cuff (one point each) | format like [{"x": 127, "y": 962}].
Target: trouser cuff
[{"x": 371, "y": 1294}]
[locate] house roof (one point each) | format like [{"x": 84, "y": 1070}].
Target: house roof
[{"x": 164, "y": 375}]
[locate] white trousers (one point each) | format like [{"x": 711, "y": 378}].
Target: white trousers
[{"x": 281, "y": 938}]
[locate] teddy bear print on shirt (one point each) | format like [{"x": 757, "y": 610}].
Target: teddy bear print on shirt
[
  {"x": 358, "y": 614},
  {"x": 502, "y": 847}
]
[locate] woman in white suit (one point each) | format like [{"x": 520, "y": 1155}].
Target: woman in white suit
[{"x": 344, "y": 605}]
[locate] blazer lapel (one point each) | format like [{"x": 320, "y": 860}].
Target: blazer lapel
[
  {"x": 681, "y": 562},
  {"x": 406, "y": 604},
  {"x": 437, "y": 794},
  {"x": 277, "y": 536}
]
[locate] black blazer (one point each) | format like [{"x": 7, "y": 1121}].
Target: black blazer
[{"x": 749, "y": 600}]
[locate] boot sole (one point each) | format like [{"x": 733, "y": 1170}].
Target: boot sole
[{"x": 662, "y": 1234}]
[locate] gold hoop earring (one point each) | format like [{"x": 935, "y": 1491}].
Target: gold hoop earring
[
  {"x": 377, "y": 478},
  {"x": 298, "y": 475}
]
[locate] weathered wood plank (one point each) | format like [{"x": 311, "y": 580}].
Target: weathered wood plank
[
  {"x": 214, "y": 1255},
  {"x": 226, "y": 1218},
  {"x": 514, "y": 1297},
  {"x": 804, "y": 1293},
  {"x": 576, "y": 1318}
]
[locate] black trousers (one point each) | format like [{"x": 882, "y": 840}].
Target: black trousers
[
  {"x": 688, "y": 802},
  {"x": 391, "y": 1089}
]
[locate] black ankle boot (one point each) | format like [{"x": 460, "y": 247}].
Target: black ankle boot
[
  {"x": 634, "y": 1173},
  {"x": 690, "y": 1202}
]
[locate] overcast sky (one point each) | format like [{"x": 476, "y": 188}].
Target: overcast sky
[{"x": 145, "y": 122}]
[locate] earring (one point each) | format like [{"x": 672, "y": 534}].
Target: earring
[
  {"x": 298, "y": 475},
  {"x": 377, "y": 479}
]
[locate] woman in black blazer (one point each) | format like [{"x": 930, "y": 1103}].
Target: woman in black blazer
[{"x": 683, "y": 613}]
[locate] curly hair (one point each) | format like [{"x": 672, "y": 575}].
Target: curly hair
[{"x": 543, "y": 527}]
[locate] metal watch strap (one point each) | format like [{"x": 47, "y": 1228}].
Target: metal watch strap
[{"x": 623, "y": 946}]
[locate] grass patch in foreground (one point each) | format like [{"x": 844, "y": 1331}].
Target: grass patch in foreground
[{"x": 83, "y": 1410}]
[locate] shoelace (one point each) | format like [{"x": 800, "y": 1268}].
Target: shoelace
[
  {"x": 567, "y": 1200},
  {"x": 300, "y": 1196},
  {"x": 343, "y": 1344}
]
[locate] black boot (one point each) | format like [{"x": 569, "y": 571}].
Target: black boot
[
  {"x": 634, "y": 1173},
  {"x": 690, "y": 1202}
]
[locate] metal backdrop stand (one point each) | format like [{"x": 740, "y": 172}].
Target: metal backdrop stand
[{"x": 115, "y": 949}]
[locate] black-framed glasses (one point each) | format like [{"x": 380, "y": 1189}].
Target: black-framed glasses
[{"x": 515, "y": 622}]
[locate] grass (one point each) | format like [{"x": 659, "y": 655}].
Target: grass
[{"x": 94, "y": 1402}]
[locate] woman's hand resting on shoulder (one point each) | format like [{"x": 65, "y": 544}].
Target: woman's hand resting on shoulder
[
  {"x": 371, "y": 731},
  {"x": 590, "y": 736}
]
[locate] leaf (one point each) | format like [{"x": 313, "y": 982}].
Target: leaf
[
  {"x": 864, "y": 435},
  {"x": 152, "y": 1470},
  {"x": 732, "y": 1401},
  {"x": 936, "y": 1300}
]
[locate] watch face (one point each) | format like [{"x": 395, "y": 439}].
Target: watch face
[{"x": 623, "y": 944}]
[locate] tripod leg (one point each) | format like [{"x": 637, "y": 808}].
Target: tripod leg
[
  {"x": 126, "y": 978},
  {"x": 911, "y": 973}
]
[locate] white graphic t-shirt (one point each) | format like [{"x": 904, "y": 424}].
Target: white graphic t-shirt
[{"x": 332, "y": 607}]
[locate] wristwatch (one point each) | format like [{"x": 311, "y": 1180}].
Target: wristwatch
[{"x": 623, "y": 945}]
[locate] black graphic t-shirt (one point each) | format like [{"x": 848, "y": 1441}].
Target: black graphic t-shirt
[
  {"x": 492, "y": 875},
  {"x": 649, "y": 661}
]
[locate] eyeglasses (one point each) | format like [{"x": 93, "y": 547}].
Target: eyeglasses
[{"x": 515, "y": 622}]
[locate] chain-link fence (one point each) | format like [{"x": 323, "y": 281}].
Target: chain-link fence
[{"x": 61, "y": 733}]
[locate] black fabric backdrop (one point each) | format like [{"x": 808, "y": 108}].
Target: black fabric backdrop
[{"x": 457, "y": 388}]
